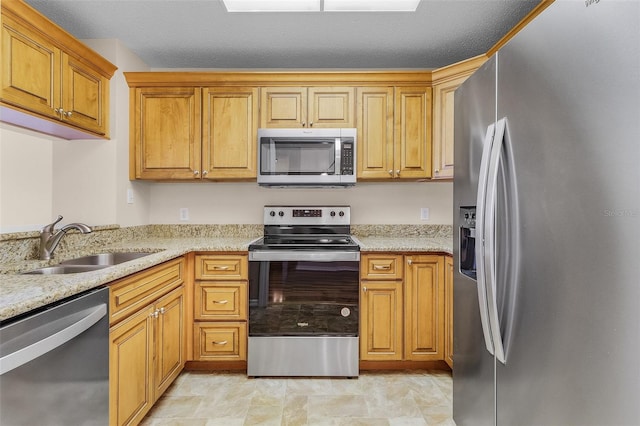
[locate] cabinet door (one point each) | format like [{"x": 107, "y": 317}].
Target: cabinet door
[
  {"x": 375, "y": 132},
  {"x": 412, "y": 155},
  {"x": 169, "y": 339},
  {"x": 30, "y": 70},
  {"x": 425, "y": 308},
  {"x": 443, "y": 115},
  {"x": 130, "y": 368},
  {"x": 448, "y": 288},
  {"x": 85, "y": 95},
  {"x": 230, "y": 127},
  {"x": 331, "y": 107},
  {"x": 283, "y": 107},
  {"x": 381, "y": 320},
  {"x": 166, "y": 132}
]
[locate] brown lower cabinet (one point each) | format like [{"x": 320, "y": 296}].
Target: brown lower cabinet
[
  {"x": 220, "y": 307},
  {"x": 402, "y": 307},
  {"x": 147, "y": 339}
]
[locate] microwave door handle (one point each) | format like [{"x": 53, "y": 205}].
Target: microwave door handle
[
  {"x": 338, "y": 159},
  {"x": 480, "y": 238}
]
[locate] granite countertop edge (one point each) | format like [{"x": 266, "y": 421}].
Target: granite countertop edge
[{"x": 20, "y": 293}]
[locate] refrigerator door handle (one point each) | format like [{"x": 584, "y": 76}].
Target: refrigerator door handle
[
  {"x": 480, "y": 237},
  {"x": 490, "y": 238}
]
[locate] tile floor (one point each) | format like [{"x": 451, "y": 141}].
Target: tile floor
[{"x": 375, "y": 398}]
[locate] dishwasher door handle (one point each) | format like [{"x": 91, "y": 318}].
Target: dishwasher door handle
[{"x": 24, "y": 355}]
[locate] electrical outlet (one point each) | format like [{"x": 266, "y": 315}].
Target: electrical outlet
[
  {"x": 129, "y": 196},
  {"x": 184, "y": 213},
  {"x": 424, "y": 213}
]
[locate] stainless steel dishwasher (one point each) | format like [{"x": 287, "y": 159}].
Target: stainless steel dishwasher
[{"x": 54, "y": 364}]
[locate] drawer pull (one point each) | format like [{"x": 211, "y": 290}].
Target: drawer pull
[
  {"x": 381, "y": 267},
  {"x": 221, "y": 302},
  {"x": 224, "y": 342},
  {"x": 221, "y": 268}
]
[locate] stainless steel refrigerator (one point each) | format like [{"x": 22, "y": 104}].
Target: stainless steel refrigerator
[{"x": 547, "y": 224}]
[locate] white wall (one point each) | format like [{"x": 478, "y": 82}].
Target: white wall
[
  {"x": 26, "y": 179},
  {"x": 372, "y": 203}
]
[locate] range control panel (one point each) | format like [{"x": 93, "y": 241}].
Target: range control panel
[{"x": 307, "y": 215}]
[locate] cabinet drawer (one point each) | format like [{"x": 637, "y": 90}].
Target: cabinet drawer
[
  {"x": 221, "y": 267},
  {"x": 131, "y": 293},
  {"x": 220, "y": 341},
  {"x": 381, "y": 267},
  {"x": 221, "y": 300}
]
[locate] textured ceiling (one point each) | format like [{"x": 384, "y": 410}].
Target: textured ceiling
[{"x": 201, "y": 34}]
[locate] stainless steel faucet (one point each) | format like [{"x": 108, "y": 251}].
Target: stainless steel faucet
[{"x": 49, "y": 239}]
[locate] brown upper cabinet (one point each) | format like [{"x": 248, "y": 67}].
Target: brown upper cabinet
[
  {"x": 445, "y": 82},
  {"x": 193, "y": 133},
  {"x": 294, "y": 107},
  {"x": 394, "y": 132},
  {"x": 51, "y": 82}
]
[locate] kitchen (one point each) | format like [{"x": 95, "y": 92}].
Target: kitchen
[{"x": 159, "y": 205}]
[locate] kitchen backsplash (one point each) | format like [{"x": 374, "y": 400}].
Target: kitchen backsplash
[{"x": 20, "y": 246}]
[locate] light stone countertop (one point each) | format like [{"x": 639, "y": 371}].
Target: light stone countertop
[{"x": 22, "y": 293}]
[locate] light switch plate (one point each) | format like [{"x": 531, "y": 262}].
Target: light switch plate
[
  {"x": 184, "y": 213},
  {"x": 129, "y": 196},
  {"x": 424, "y": 213}
]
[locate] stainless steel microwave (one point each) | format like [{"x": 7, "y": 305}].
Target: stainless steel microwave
[{"x": 307, "y": 157}]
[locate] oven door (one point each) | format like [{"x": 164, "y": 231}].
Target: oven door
[{"x": 303, "y": 293}]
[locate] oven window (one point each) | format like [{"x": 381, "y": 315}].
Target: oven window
[
  {"x": 294, "y": 298},
  {"x": 294, "y": 157}
]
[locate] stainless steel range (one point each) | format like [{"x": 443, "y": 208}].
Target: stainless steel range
[{"x": 304, "y": 294}]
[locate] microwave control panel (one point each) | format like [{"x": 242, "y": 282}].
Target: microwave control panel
[{"x": 346, "y": 167}]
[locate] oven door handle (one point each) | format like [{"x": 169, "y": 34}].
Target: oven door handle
[{"x": 301, "y": 255}]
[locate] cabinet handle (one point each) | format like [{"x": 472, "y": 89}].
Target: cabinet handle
[
  {"x": 155, "y": 314},
  {"x": 224, "y": 342},
  {"x": 364, "y": 289},
  {"x": 311, "y": 124},
  {"x": 68, "y": 113},
  {"x": 390, "y": 172},
  {"x": 398, "y": 172},
  {"x": 437, "y": 171},
  {"x": 409, "y": 262},
  {"x": 162, "y": 311},
  {"x": 220, "y": 268},
  {"x": 196, "y": 172},
  {"x": 381, "y": 267},
  {"x": 204, "y": 173},
  {"x": 221, "y": 302},
  {"x": 304, "y": 124}
]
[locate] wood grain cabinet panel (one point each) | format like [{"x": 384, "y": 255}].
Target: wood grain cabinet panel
[
  {"x": 424, "y": 308},
  {"x": 294, "y": 107},
  {"x": 375, "y": 132},
  {"x": 220, "y": 341},
  {"x": 147, "y": 340},
  {"x": 381, "y": 266},
  {"x": 221, "y": 267},
  {"x": 220, "y": 300},
  {"x": 51, "y": 82},
  {"x": 381, "y": 305},
  {"x": 448, "y": 288},
  {"x": 412, "y": 132}
]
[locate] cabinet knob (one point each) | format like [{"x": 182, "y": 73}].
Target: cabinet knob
[
  {"x": 162, "y": 310},
  {"x": 155, "y": 314},
  {"x": 437, "y": 171},
  {"x": 390, "y": 172},
  {"x": 310, "y": 123},
  {"x": 67, "y": 113},
  {"x": 204, "y": 173},
  {"x": 364, "y": 289},
  {"x": 304, "y": 123},
  {"x": 196, "y": 172},
  {"x": 409, "y": 262},
  {"x": 397, "y": 172}
]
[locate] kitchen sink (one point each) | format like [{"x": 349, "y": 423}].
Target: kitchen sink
[
  {"x": 89, "y": 263},
  {"x": 66, "y": 269},
  {"x": 105, "y": 259}
]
